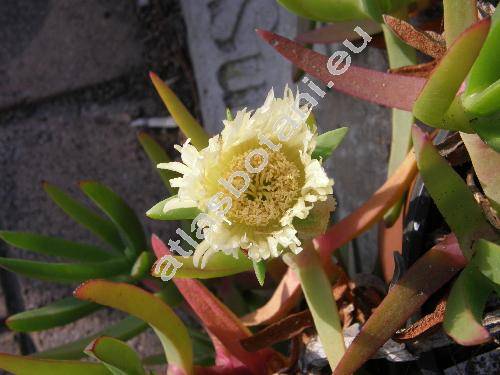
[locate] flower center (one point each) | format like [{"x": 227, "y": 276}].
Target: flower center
[{"x": 270, "y": 193}]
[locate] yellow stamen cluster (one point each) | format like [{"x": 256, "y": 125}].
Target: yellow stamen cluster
[{"x": 271, "y": 192}]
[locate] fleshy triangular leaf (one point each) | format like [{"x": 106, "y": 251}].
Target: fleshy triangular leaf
[
  {"x": 328, "y": 142},
  {"x": 157, "y": 211},
  {"x": 118, "y": 357}
]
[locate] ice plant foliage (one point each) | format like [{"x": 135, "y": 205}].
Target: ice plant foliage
[
  {"x": 252, "y": 181},
  {"x": 258, "y": 190}
]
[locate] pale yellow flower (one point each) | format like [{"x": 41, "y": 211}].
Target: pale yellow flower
[{"x": 252, "y": 181}]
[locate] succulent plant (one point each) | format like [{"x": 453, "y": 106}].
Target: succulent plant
[{"x": 292, "y": 243}]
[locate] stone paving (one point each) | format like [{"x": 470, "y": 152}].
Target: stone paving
[{"x": 73, "y": 76}]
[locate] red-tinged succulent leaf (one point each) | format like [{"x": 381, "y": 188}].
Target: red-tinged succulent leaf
[
  {"x": 218, "y": 320},
  {"x": 437, "y": 104},
  {"x": 224, "y": 358},
  {"x": 143, "y": 305},
  {"x": 338, "y": 32},
  {"x": 188, "y": 124},
  {"x": 288, "y": 292},
  {"x": 450, "y": 193},
  {"x": 464, "y": 310},
  {"x": 21, "y": 365},
  {"x": 222, "y": 323},
  {"x": 390, "y": 240},
  {"x": 285, "y": 297},
  {"x": 371, "y": 211},
  {"x": 485, "y": 161},
  {"x": 221, "y": 370},
  {"x": 390, "y": 90},
  {"x": 429, "y": 273}
]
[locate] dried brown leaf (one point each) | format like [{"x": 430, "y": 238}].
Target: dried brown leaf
[
  {"x": 420, "y": 40},
  {"x": 285, "y": 329},
  {"x": 425, "y": 326},
  {"x": 420, "y": 70}
]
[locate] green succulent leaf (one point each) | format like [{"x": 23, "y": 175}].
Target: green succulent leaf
[
  {"x": 260, "y": 271},
  {"x": 118, "y": 357},
  {"x": 65, "y": 272},
  {"x": 328, "y": 142},
  {"x": 400, "y": 54},
  {"x": 317, "y": 290},
  {"x": 123, "y": 330},
  {"x": 485, "y": 161},
  {"x": 458, "y": 16},
  {"x": 84, "y": 216},
  {"x": 21, "y": 365},
  {"x": 54, "y": 246},
  {"x": 483, "y": 88},
  {"x": 220, "y": 265},
  {"x": 326, "y": 11},
  {"x": 55, "y": 314},
  {"x": 487, "y": 128},
  {"x": 119, "y": 213},
  {"x": 156, "y": 212},
  {"x": 142, "y": 265},
  {"x": 157, "y": 155},
  {"x": 437, "y": 104},
  {"x": 316, "y": 221},
  {"x": 427, "y": 275},
  {"x": 484, "y": 72},
  {"x": 202, "y": 348},
  {"x": 450, "y": 193},
  {"x": 188, "y": 124},
  {"x": 465, "y": 306},
  {"x": 487, "y": 259},
  {"x": 141, "y": 304}
]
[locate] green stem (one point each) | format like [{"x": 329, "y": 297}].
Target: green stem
[{"x": 318, "y": 292}]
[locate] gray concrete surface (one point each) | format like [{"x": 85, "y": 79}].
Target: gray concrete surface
[
  {"x": 233, "y": 68},
  {"x": 54, "y": 50}
]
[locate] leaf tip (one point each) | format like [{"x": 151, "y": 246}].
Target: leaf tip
[
  {"x": 159, "y": 247},
  {"x": 420, "y": 138},
  {"x": 80, "y": 291},
  {"x": 268, "y": 36}
]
